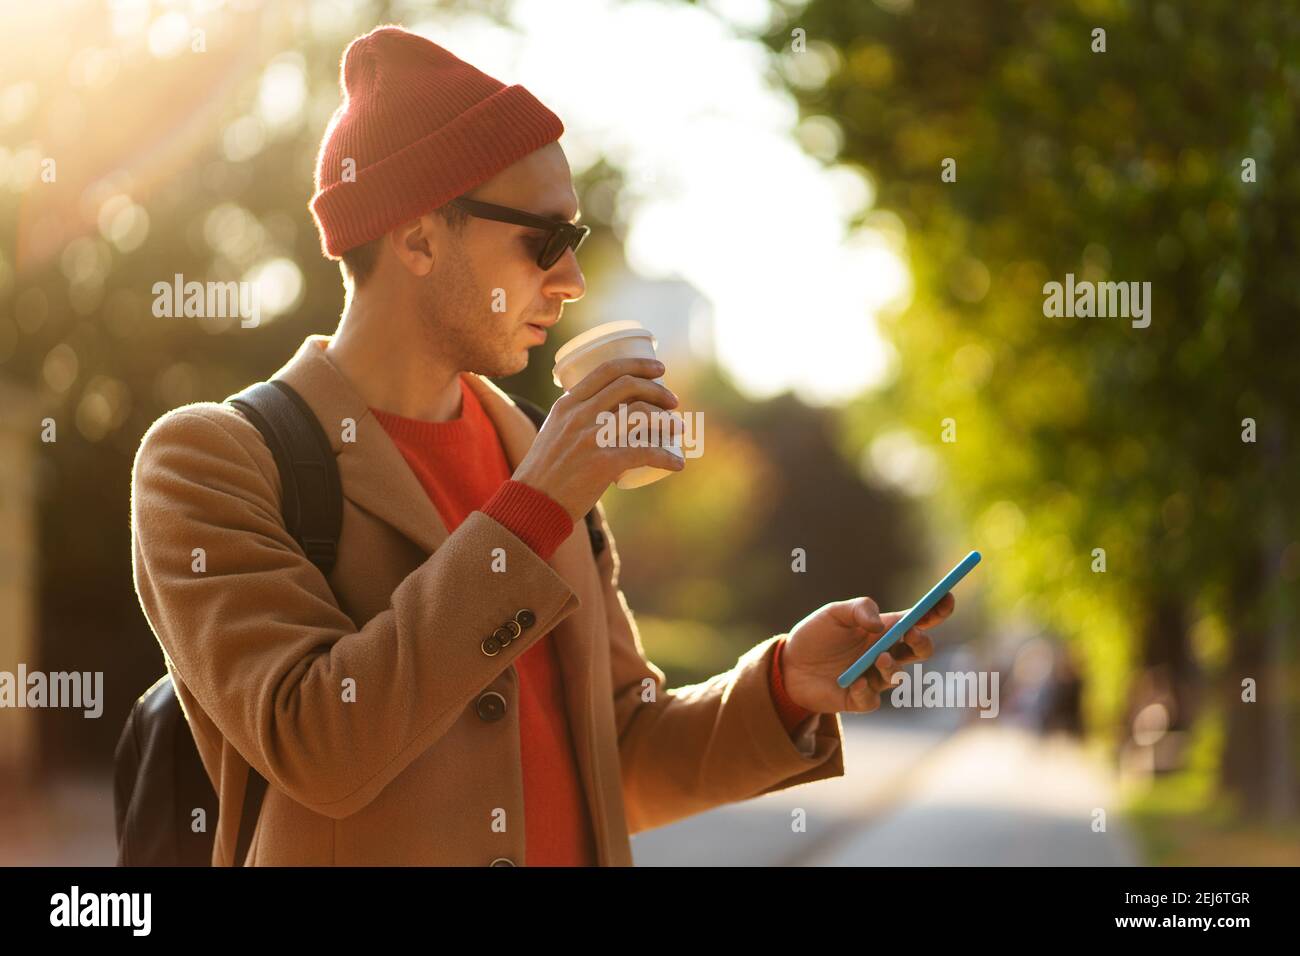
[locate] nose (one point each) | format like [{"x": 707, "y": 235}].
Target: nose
[{"x": 564, "y": 280}]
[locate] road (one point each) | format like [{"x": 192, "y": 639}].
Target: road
[
  {"x": 881, "y": 750},
  {"x": 918, "y": 791}
]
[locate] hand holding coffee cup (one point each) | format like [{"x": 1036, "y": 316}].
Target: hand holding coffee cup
[
  {"x": 623, "y": 339},
  {"x": 566, "y": 461}
]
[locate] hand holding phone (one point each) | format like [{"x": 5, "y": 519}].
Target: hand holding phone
[{"x": 909, "y": 620}]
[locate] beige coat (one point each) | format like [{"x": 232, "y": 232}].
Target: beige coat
[{"x": 358, "y": 697}]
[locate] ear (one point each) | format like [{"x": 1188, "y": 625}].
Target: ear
[{"x": 415, "y": 245}]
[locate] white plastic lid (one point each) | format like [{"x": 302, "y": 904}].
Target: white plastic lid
[{"x": 601, "y": 334}]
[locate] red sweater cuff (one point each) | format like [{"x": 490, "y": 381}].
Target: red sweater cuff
[
  {"x": 532, "y": 516},
  {"x": 792, "y": 715}
]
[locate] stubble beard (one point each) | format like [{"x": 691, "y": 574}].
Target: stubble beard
[{"x": 461, "y": 325}]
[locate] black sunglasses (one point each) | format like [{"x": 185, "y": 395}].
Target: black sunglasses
[{"x": 562, "y": 235}]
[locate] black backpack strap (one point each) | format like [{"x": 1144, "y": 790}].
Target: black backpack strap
[
  {"x": 312, "y": 494},
  {"x": 312, "y": 505},
  {"x": 538, "y": 415}
]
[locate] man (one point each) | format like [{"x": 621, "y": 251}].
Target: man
[{"x": 468, "y": 686}]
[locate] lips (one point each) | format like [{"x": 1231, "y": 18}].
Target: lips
[{"x": 539, "y": 331}]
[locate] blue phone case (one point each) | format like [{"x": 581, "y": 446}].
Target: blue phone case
[{"x": 918, "y": 611}]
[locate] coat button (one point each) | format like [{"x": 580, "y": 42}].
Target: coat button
[
  {"x": 503, "y": 636},
  {"x": 525, "y": 617},
  {"x": 491, "y": 706},
  {"x": 503, "y": 861},
  {"x": 491, "y": 646}
]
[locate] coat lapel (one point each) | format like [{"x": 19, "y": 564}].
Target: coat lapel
[{"x": 375, "y": 476}]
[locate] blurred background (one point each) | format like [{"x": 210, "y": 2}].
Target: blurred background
[{"x": 865, "y": 335}]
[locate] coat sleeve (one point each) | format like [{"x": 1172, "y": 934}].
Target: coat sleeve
[
  {"x": 254, "y": 632},
  {"x": 689, "y": 749}
]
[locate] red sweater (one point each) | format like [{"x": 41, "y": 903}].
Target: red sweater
[{"x": 463, "y": 467}]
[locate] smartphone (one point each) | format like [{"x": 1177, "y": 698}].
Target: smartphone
[{"x": 908, "y": 620}]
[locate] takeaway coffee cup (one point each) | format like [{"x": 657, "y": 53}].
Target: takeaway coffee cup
[{"x": 613, "y": 340}]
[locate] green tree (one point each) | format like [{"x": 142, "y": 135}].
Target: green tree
[{"x": 1081, "y": 433}]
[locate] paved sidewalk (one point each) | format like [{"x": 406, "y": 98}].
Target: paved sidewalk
[
  {"x": 880, "y": 750},
  {"x": 997, "y": 796}
]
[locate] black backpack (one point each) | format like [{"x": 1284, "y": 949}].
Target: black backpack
[{"x": 158, "y": 777}]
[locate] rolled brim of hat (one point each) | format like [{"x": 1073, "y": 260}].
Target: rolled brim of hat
[{"x": 485, "y": 139}]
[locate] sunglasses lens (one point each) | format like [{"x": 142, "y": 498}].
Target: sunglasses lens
[
  {"x": 555, "y": 247},
  {"x": 560, "y": 240}
]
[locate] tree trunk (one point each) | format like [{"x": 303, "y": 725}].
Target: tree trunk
[{"x": 1257, "y": 767}]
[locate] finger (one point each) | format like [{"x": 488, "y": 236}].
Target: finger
[
  {"x": 937, "y": 613},
  {"x": 866, "y": 615},
  {"x": 884, "y": 668},
  {"x": 606, "y": 372},
  {"x": 857, "y": 612},
  {"x": 666, "y": 427},
  {"x": 862, "y": 699},
  {"x": 652, "y": 455},
  {"x": 630, "y": 388},
  {"x": 931, "y": 617},
  {"x": 877, "y": 679},
  {"x": 920, "y": 646}
]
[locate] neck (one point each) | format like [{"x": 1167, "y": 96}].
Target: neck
[{"x": 382, "y": 352}]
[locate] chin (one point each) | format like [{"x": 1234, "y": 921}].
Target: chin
[{"x": 504, "y": 368}]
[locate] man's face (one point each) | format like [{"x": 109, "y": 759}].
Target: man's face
[{"x": 487, "y": 299}]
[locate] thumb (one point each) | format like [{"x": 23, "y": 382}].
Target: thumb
[{"x": 860, "y": 612}]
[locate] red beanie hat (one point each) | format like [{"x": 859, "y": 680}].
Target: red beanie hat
[{"x": 416, "y": 128}]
